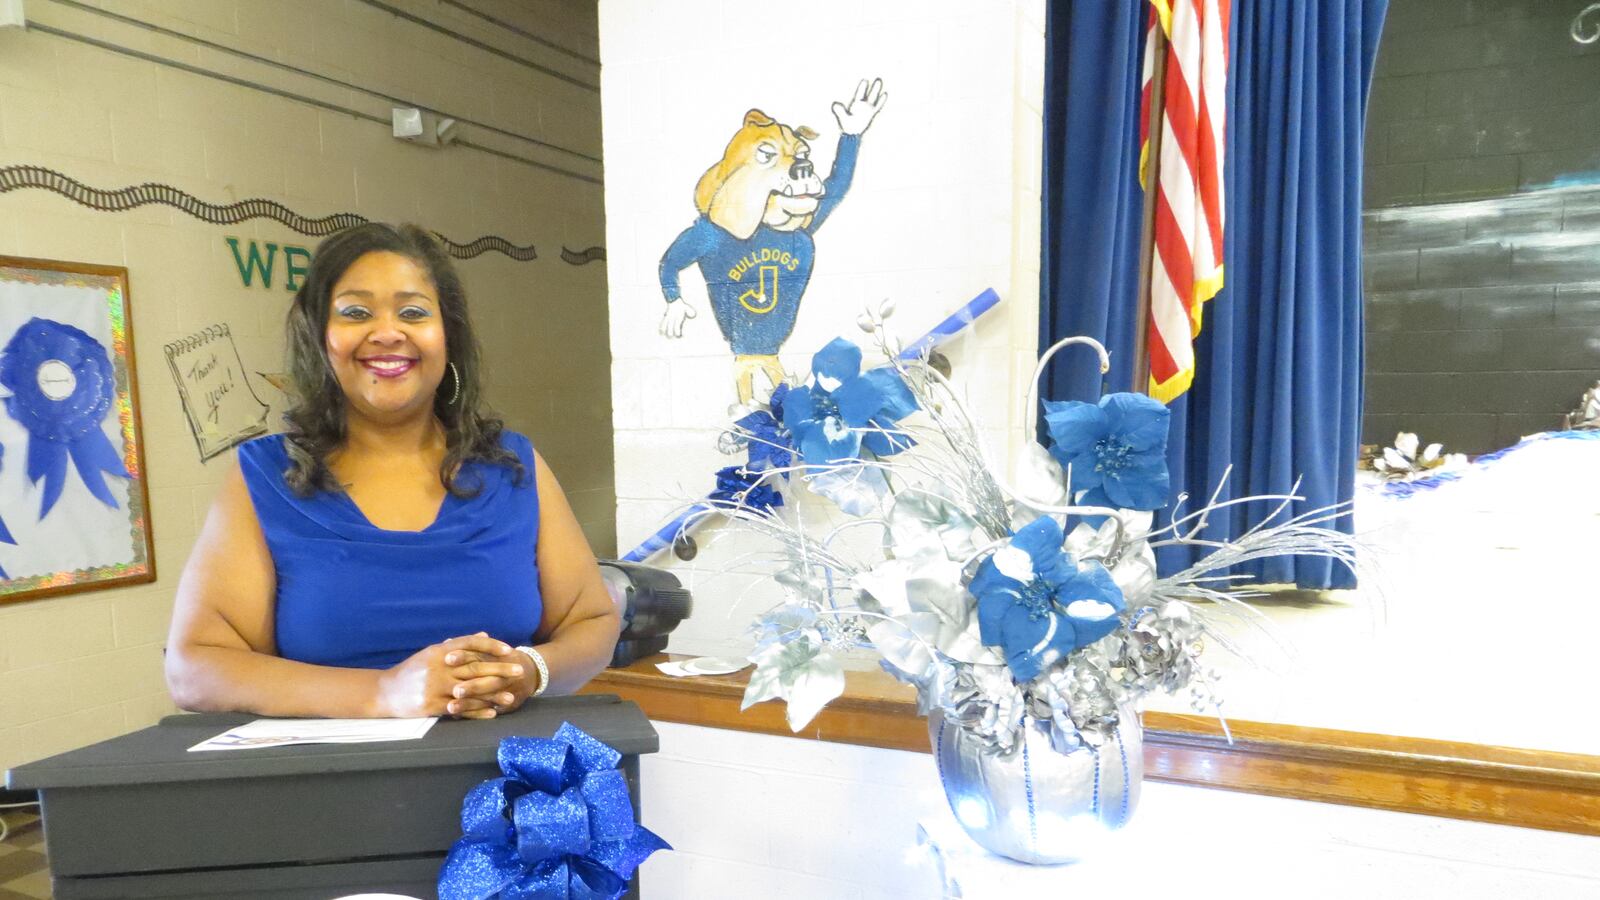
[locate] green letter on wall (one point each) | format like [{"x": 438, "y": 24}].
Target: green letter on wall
[
  {"x": 247, "y": 269},
  {"x": 295, "y": 269}
]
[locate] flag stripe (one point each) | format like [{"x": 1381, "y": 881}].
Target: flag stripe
[
  {"x": 1174, "y": 254},
  {"x": 1186, "y": 267},
  {"x": 1162, "y": 365},
  {"x": 1176, "y": 187},
  {"x": 1181, "y": 125},
  {"x": 1213, "y": 87}
]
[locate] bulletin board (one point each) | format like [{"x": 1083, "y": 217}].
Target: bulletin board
[{"x": 74, "y": 503}]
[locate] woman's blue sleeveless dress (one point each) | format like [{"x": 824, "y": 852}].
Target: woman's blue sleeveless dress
[{"x": 353, "y": 595}]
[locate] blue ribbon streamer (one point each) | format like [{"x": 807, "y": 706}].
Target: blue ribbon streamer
[
  {"x": 666, "y": 534},
  {"x": 67, "y": 427},
  {"x": 5, "y": 536},
  {"x": 952, "y": 324},
  {"x": 767, "y": 448},
  {"x": 558, "y": 825}
]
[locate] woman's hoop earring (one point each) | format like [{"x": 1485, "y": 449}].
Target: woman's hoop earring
[{"x": 455, "y": 394}]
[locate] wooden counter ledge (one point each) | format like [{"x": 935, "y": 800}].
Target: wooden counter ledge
[{"x": 1530, "y": 788}]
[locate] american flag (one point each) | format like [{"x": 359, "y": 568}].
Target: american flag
[{"x": 1186, "y": 269}]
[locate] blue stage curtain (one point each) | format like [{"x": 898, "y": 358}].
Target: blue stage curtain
[
  {"x": 1089, "y": 268},
  {"x": 1277, "y": 395}
]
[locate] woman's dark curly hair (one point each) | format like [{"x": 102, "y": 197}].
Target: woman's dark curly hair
[{"x": 317, "y": 425}]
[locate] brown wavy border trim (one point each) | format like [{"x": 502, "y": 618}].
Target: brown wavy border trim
[
  {"x": 582, "y": 257},
  {"x": 18, "y": 177}
]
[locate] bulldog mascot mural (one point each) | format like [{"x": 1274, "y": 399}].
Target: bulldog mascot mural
[{"x": 759, "y": 207}]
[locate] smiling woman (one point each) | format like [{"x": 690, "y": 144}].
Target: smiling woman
[
  {"x": 381, "y": 304},
  {"x": 397, "y": 552}
]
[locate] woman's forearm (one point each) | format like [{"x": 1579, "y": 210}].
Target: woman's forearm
[
  {"x": 580, "y": 650},
  {"x": 224, "y": 679}
]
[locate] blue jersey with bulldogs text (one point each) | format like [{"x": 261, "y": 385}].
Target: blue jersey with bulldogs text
[{"x": 756, "y": 284}]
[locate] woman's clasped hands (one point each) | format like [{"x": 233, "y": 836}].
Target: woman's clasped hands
[{"x": 469, "y": 677}]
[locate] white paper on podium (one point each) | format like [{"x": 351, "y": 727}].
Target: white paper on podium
[{"x": 284, "y": 732}]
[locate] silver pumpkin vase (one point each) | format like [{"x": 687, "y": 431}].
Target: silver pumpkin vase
[{"x": 1035, "y": 805}]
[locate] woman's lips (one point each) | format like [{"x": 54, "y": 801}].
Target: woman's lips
[{"x": 388, "y": 366}]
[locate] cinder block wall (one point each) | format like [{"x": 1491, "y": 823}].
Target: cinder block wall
[
  {"x": 87, "y": 666},
  {"x": 945, "y": 203},
  {"x": 1482, "y": 244}
]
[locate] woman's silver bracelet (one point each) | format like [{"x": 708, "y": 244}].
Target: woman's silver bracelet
[{"x": 544, "y": 670}]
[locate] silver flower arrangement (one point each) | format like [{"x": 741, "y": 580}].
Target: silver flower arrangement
[
  {"x": 1403, "y": 462},
  {"x": 975, "y": 594},
  {"x": 1586, "y": 415}
]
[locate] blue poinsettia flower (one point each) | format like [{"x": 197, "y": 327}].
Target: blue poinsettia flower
[
  {"x": 826, "y": 418},
  {"x": 1116, "y": 449},
  {"x": 1037, "y": 605}
]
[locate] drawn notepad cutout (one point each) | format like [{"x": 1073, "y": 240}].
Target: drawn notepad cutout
[{"x": 222, "y": 408}]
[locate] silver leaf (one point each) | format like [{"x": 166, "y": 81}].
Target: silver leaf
[
  {"x": 1040, "y": 480},
  {"x": 857, "y": 490},
  {"x": 1135, "y": 573},
  {"x": 924, "y": 523},
  {"x": 885, "y": 583},
  {"x": 905, "y": 641},
  {"x": 766, "y": 682},
  {"x": 817, "y": 683},
  {"x": 799, "y": 671}
]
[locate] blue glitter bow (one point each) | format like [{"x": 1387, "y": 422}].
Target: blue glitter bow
[
  {"x": 65, "y": 422},
  {"x": 768, "y": 441},
  {"x": 558, "y": 825},
  {"x": 767, "y": 447},
  {"x": 739, "y": 486}
]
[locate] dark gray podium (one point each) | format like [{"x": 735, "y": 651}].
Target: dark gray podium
[{"x": 139, "y": 817}]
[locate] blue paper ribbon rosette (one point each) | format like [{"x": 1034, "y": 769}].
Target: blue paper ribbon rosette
[
  {"x": 558, "y": 825},
  {"x": 5, "y": 536},
  {"x": 62, "y": 385}
]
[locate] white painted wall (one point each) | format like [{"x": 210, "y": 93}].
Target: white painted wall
[
  {"x": 945, "y": 203},
  {"x": 756, "y": 816}
]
